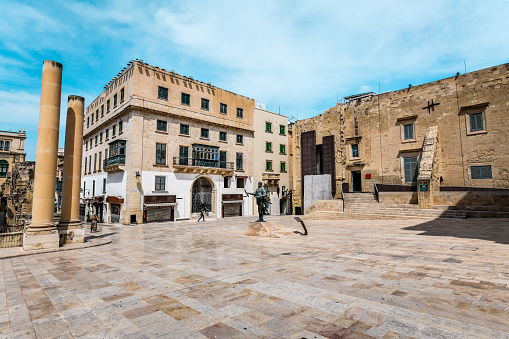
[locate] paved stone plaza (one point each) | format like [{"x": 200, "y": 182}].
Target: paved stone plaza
[{"x": 347, "y": 279}]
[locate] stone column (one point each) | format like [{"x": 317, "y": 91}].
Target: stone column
[
  {"x": 42, "y": 232},
  {"x": 70, "y": 228}
]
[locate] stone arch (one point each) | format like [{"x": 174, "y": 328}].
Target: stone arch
[{"x": 203, "y": 191}]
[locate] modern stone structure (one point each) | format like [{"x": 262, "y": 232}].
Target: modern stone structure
[
  {"x": 271, "y": 153},
  {"x": 42, "y": 233},
  {"x": 392, "y": 139},
  {"x": 158, "y": 145},
  {"x": 70, "y": 228}
]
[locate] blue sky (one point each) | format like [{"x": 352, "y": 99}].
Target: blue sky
[{"x": 297, "y": 55}]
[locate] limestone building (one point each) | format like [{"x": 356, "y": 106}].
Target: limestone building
[
  {"x": 159, "y": 146},
  {"x": 380, "y": 138},
  {"x": 271, "y": 154},
  {"x": 12, "y": 150}
]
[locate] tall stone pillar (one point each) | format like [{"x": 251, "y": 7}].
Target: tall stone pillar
[
  {"x": 42, "y": 232},
  {"x": 70, "y": 228}
]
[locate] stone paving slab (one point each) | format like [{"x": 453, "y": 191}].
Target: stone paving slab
[{"x": 347, "y": 279}]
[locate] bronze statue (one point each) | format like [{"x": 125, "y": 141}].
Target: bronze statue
[{"x": 261, "y": 200}]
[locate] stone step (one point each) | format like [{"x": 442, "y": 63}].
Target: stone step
[{"x": 363, "y": 216}]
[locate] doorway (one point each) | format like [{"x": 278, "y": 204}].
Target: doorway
[
  {"x": 201, "y": 195},
  {"x": 356, "y": 181}
]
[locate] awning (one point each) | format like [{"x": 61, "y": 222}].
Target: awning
[
  {"x": 233, "y": 201},
  {"x": 162, "y": 204}
]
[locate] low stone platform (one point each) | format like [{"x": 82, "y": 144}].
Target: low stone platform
[{"x": 268, "y": 229}]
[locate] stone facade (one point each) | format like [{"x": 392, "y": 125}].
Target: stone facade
[
  {"x": 150, "y": 109},
  {"x": 271, "y": 151},
  {"x": 377, "y": 135}
]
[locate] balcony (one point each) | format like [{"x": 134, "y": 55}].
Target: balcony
[
  {"x": 193, "y": 165},
  {"x": 114, "y": 164},
  {"x": 270, "y": 179}
]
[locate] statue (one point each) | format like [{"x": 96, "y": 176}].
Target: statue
[{"x": 260, "y": 194}]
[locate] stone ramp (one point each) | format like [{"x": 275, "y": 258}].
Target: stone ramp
[{"x": 268, "y": 229}]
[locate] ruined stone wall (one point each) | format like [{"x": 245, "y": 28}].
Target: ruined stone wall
[
  {"x": 376, "y": 123},
  {"x": 17, "y": 194}
]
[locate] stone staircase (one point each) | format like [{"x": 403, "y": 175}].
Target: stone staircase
[{"x": 365, "y": 203}]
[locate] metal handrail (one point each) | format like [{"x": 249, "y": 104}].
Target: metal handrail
[
  {"x": 342, "y": 197},
  {"x": 376, "y": 194},
  {"x": 182, "y": 161}
]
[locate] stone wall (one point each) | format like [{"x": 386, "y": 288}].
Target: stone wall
[
  {"x": 473, "y": 198},
  {"x": 397, "y": 197}
]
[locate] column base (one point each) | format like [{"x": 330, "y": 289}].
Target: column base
[
  {"x": 71, "y": 232},
  {"x": 39, "y": 238}
]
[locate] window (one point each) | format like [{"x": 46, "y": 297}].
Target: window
[
  {"x": 241, "y": 182},
  {"x": 476, "y": 122},
  {"x": 268, "y": 146},
  {"x": 91, "y": 142},
  {"x": 268, "y": 165},
  {"x": 100, "y": 158},
  {"x": 96, "y": 140},
  {"x": 104, "y": 185},
  {"x": 355, "y": 150},
  {"x": 186, "y": 99},
  {"x": 102, "y": 111},
  {"x": 1, "y": 145},
  {"x": 93, "y": 188},
  {"x": 240, "y": 113},
  {"x": 160, "y": 154},
  {"x": 268, "y": 127},
  {"x": 107, "y": 133},
  {"x": 95, "y": 162},
  {"x": 96, "y": 115},
  {"x": 107, "y": 106},
  {"x": 85, "y": 172},
  {"x": 184, "y": 129},
  {"x": 411, "y": 169},
  {"x": 101, "y": 137},
  {"x": 222, "y": 159},
  {"x": 120, "y": 126},
  {"x": 240, "y": 139},
  {"x": 226, "y": 182},
  {"x": 184, "y": 155},
  {"x": 282, "y": 149},
  {"x": 115, "y": 100},
  {"x": 205, "y": 104},
  {"x": 223, "y": 108},
  {"x": 92, "y": 120},
  {"x": 4, "y": 168},
  {"x": 162, "y": 126},
  {"x": 408, "y": 131},
  {"x": 89, "y": 164},
  {"x": 282, "y": 129},
  {"x": 239, "y": 161},
  {"x": 86, "y": 146},
  {"x": 88, "y": 121},
  {"x": 113, "y": 130},
  {"x": 480, "y": 172},
  {"x": 222, "y": 136},
  {"x": 7, "y": 146},
  {"x": 121, "y": 95},
  {"x": 162, "y": 93},
  {"x": 283, "y": 166},
  {"x": 160, "y": 184},
  {"x": 105, "y": 154},
  {"x": 204, "y": 133}
]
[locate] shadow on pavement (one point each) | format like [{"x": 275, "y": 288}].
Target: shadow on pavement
[{"x": 495, "y": 229}]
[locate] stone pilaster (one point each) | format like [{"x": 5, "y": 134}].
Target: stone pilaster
[
  {"x": 42, "y": 233},
  {"x": 70, "y": 228}
]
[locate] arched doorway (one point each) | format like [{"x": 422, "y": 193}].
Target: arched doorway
[{"x": 202, "y": 195}]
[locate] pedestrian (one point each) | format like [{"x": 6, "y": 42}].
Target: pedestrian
[
  {"x": 93, "y": 226},
  {"x": 202, "y": 213}
]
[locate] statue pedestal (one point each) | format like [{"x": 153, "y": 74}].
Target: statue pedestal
[{"x": 269, "y": 230}]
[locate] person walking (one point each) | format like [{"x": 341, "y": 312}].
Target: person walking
[
  {"x": 202, "y": 213},
  {"x": 93, "y": 226}
]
